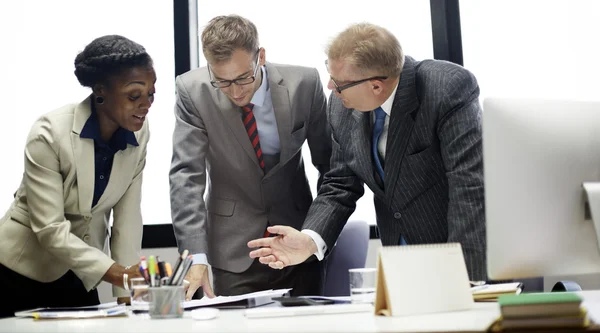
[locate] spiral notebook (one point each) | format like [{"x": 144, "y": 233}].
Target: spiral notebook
[{"x": 419, "y": 279}]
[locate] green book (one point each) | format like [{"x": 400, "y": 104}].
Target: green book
[
  {"x": 539, "y": 305},
  {"x": 538, "y": 298}
]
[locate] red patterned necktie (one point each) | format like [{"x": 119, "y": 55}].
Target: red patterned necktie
[
  {"x": 251, "y": 129},
  {"x": 250, "y": 124}
]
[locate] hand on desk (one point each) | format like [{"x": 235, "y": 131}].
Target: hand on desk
[
  {"x": 290, "y": 247},
  {"x": 114, "y": 275},
  {"x": 124, "y": 300},
  {"x": 198, "y": 277}
]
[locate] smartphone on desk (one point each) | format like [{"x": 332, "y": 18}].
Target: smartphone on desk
[{"x": 301, "y": 301}]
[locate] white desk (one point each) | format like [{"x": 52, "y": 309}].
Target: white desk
[{"x": 476, "y": 320}]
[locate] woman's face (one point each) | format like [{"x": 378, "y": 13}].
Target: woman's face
[{"x": 128, "y": 97}]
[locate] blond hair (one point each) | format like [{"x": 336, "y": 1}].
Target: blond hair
[
  {"x": 371, "y": 49},
  {"x": 225, "y": 34}
]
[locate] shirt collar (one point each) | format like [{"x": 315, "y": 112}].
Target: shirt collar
[
  {"x": 387, "y": 105},
  {"x": 259, "y": 96},
  {"x": 119, "y": 140}
]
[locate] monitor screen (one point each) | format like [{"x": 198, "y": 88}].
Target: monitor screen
[{"x": 537, "y": 155}]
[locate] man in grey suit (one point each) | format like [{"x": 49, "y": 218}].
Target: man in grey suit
[
  {"x": 411, "y": 131},
  {"x": 240, "y": 127}
]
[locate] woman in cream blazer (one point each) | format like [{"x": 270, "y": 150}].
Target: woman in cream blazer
[{"x": 82, "y": 162}]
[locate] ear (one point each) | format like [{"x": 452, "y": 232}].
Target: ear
[
  {"x": 262, "y": 56},
  {"x": 99, "y": 89},
  {"x": 377, "y": 87}
]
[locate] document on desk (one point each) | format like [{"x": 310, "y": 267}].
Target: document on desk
[
  {"x": 100, "y": 311},
  {"x": 237, "y": 302},
  {"x": 420, "y": 279},
  {"x": 243, "y": 301}
]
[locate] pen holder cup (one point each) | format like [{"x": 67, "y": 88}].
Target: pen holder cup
[{"x": 166, "y": 302}]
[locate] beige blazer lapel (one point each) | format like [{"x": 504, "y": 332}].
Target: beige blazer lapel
[
  {"x": 233, "y": 117},
  {"x": 118, "y": 174},
  {"x": 282, "y": 108},
  {"x": 83, "y": 150}
]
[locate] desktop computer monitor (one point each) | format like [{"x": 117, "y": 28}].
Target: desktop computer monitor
[{"x": 537, "y": 154}]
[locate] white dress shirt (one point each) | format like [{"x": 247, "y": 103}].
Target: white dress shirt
[{"x": 387, "y": 108}]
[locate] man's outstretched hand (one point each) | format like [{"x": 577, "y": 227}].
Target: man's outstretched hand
[{"x": 290, "y": 247}]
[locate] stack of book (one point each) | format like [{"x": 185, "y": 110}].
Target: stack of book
[
  {"x": 541, "y": 311},
  {"x": 491, "y": 292}
]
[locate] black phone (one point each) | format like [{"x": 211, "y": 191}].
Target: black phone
[{"x": 301, "y": 301}]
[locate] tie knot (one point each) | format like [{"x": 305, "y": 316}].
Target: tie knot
[
  {"x": 248, "y": 107},
  {"x": 379, "y": 113}
]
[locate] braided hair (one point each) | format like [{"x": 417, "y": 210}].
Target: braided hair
[{"x": 106, "y": 56}]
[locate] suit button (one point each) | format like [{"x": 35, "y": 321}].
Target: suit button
[
  {"x": 397, "y": 215},
  {"x": 88, "y": 218},
  {"x": 86, "y": 238}
]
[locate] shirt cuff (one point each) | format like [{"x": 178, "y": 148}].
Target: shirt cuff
[
  {"x": 199, "y": 259},
  {"x": 321, "y": 246}
]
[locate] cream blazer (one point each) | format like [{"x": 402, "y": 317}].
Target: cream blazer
[{"x": 50, "y": 227}]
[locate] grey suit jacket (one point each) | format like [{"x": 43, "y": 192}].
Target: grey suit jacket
[
  {"x": 51, "y": 227},
  {"x": 211, "y": 151},
  {"x": 433, "y": 167}
]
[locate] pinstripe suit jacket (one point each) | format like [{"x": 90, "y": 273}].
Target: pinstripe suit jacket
[{"x": 433, "y": 168}]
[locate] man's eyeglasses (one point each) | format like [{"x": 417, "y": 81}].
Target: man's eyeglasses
[
  {"x": 340, "y": 88},
  {"x": 240, "y": 82}
]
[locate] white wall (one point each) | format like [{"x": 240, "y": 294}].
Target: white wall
[
  {"x": 533, "y": 48},
  {"x": 40, "y": 40}
]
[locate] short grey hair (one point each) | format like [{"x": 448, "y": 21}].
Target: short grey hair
[{"x": 369, "y": 48}]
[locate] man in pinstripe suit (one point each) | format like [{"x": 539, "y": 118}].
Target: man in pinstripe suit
[{"x": 411, "y": 131}]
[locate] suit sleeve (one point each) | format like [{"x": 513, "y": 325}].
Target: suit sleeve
[
  {"x": 319, "y": 136},
  {"x": 337, "y": 196},
  {"x": 460, "y": 136},
  {"x": 127, "y": 229},
  {"x": 187, "y": 176},
  {"x": 44, "y": 186}
]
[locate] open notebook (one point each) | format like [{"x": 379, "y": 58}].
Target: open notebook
[{"x": 418, "y": 279}]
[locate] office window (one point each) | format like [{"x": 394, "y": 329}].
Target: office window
[
  {"x": 534, "y": 48},
  {"x": 298, "y": 35},
  {"x": 40, "y": 41}
]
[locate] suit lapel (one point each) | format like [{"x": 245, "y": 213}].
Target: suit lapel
[
  {"x": 404, "y": 110},
  {"x": 83, "y": 151},
  {"x": 233, "y": 117},
  {"x": 282, "y": 108},
  {"x": 361, "y": 136},
  {"x": 118, "y": 170}
]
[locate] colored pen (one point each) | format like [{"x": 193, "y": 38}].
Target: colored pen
[
  {"x": 178, "y": 263},
  {"x": 178, "y": 273},
  {"x": 186, "y": 268},
  {"x": 144, "y": 269},
  {"x": 168, "y": 269},
  {"x": 161, "y": 269},
  {"x": 151, "y": 271}
]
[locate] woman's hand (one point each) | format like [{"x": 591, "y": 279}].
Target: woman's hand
[
  {"x": 124, "y": 300},
  {"x": 116, "y": 272}
]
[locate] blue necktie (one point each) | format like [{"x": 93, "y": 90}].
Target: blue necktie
[{"x": 377, "y": 129}]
